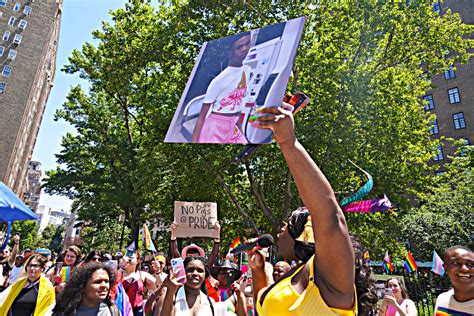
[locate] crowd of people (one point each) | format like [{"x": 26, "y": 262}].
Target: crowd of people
[{"x": 329, "y": 277}]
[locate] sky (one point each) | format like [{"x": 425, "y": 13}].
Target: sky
[{"x": 79, "y": 19}]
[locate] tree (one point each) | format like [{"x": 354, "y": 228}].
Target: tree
[
  {"x": 28, "y": 233},
  {"x": 366, "y": 65},
  {"x": 445, "y": 218}
]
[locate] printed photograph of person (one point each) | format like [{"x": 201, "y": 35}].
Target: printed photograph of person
[{"x": 232, "y": 77}]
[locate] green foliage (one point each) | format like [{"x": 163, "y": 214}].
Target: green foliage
[
  {"x": 446, "y": 217},
  {"x": 28, "y": 233},
  {"x": 366, "y": 65}
]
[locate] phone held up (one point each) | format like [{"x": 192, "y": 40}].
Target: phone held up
[{"x": 177, "y": 265}]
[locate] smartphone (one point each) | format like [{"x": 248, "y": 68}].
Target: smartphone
[
  {"x": 388, "y": 291},
  {"x": 178, "y": 263}
]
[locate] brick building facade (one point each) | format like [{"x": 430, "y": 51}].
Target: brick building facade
[
  {"x": 29, "y": 31},
  {"x": 452, "y": 101}
]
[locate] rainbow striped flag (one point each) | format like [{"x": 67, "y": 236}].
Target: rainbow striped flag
[
  {"x": 410, "y": 263},
  {"x": 147, "y": 239},
  {"x": 234, "y": 243},
  {"x": 387, "y": 264},
  {"x": 366, "y": 257},
  {"x": 444, "y": 311},
  {"x": 437, "y": 265}
]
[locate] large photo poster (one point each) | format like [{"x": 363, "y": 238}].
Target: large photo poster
[{"x": 234, "y": 76}]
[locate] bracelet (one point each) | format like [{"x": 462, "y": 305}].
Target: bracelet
[{"x": 217, "y": 240}]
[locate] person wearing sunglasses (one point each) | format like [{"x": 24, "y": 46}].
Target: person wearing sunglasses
[{"x": 33, "y": 295}]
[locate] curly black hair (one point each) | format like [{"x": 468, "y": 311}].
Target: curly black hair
[
  {"x": 187, "y": 260},
  {"x": 365, "y": 285},
  {"x": 71, "y": 297},
  {"x": 298, "y": 218},
  {"x": 92, "y": 254}
]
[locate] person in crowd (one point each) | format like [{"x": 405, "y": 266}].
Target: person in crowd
[
  {"x": 220, "y": 119},
  {"x": 331, "y": 289},
  {"x": 192, "y": 298},
  {"x": 87, "y": 292},
  {"x": 94, "y": 256},
  {"x": 46, "y": 253},
  {"x": 18, "y": 270},
  {"x": 194, "y": 250},
  {"x": 159, "y": 264},
  {"x": 280, "y": 269},
  {"x": 33, "y": 295},
  {"x": 459, "y": 266},
  {"x": 8, "y": 257},
  {"x": 396, "y": 301},
  {"x": 62, "y": 271},
  {"x": 135, "y": 282},
  {"x": 225, "y": 274}
]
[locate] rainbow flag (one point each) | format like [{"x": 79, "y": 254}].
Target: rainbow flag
[
  {"x": 444, "y": 311},
  {"x": 387, "y": 264},
  {"x": 410, "y": 263},
  {"x": 437, "y": 265},
  {"x": 234, "y": 244},
  {"x": 366, "y": 257},
  {"x": 147, "y": 239}
]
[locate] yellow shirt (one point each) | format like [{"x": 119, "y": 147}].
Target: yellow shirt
[{"x": 282, "y": 299}]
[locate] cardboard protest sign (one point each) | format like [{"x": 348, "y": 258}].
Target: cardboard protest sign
[
  {"x": 233, "y": 77},
  {"x": 195, "y": 219}
]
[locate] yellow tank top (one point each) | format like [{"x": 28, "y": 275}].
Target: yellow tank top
[{"x": 283, "y": 300}]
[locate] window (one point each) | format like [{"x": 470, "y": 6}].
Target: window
[
  {"x": 3, "y": 3},
  {"x": 436, "y": 7},
  {"x": 17, "y": 6},
  {"x": 27, "y": 10},
  {"x": 17, "y": 39},
  {"x": 22, "y": 24},
  {"x": 11, "y": 21},
  {"x": 6, "y": 36},
  {"x": 430, "y": 102},
  {"x": 434, "y": 128},
  {"x": 454, "y": 95},
  {"x": 6, "y": 71},
  {"x": 2, "y": 49},
  {"x": 459, "y": 122},
  {"x": 439, "y": 153},
  {"x": 3, "y": 86},
  {"x": 468, "y": 143},
  {"x": 12, "y": 54},
  {"x": 449, "y": 73}
]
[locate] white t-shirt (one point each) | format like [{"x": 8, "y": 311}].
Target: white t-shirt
[
  {"x": 447, "y": 305},
  {"x": 227, "y": 91},
  {"x": 181, "y": 306}
]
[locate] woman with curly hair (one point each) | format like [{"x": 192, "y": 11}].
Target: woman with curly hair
[
  {"x": 87, "y": 292},
  {"x": 33, "y": 295}
]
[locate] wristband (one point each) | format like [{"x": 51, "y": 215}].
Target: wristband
[{"x": 217, "y": 240}]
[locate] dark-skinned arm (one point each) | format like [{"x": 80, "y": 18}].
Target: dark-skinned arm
[
  {"x": 174, "y": 243},
  {"x": 215, "y": 247},
  {"x": 334, "y": 257}
]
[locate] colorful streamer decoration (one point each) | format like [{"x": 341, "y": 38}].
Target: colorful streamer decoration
[
  {"x": 368, "y": 206},
  {"x": 364, "y": 190}
]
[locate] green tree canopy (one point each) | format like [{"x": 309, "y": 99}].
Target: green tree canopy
[{"x": 366, "y": 66}]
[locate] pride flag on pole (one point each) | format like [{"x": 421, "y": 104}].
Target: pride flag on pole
[
  {"x": 366, "y": 257},
  {"x": 147, "y": 239},
  {"x": 234, "y": 243},
  {"x": 387, "y": 264},
  {"x": 437, "y": 265},
  {"x": 410, "y": 263}
]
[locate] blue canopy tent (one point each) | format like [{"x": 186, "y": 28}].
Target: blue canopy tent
[{"x": 12, "y": 209}]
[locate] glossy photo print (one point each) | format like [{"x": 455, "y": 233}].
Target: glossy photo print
[{"x": 234, "y": 76}]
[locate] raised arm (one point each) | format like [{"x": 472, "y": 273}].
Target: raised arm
[
  {"x": 15, "y": 249},
  {"x": 174, "y": 243},
  {"x": 334, "y": 257},
  {"x": 216, "y": 247}
]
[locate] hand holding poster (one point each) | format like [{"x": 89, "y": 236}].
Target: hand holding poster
[{"x": 195, "y": 219}]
